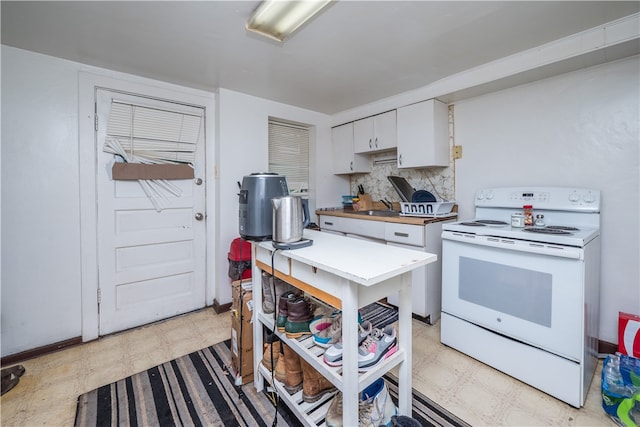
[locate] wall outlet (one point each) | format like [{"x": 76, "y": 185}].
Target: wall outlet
[{"x": 457, "y": 152}]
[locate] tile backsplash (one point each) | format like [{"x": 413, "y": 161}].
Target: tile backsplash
[{"x": 439, "y": 181}]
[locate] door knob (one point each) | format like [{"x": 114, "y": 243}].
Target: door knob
[
  {"x": 198, "y": 181},
  {"x": 199, "y": 217}
]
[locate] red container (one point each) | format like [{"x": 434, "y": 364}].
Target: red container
[
  {"x": 629, "y": 334},
  {"x": 239, "y": 259}
]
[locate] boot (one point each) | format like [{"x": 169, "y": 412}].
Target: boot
[
  {"x": 293, "y": 381},
  {"x": 269, "y": 298},
  {"x": 281, "y": 366},
  {"x": 299, "y": 315},
  {"x": 283, "y": 308},
  {"x": 314, "y": 385},
  {"x": 270, "y": 355}
]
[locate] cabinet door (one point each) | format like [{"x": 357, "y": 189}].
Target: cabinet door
[
  {"x": 376, "y": 133},
  {"x": 423, "y": 135},
  {"x": 344, "y": 159},
  {"x": 363, "y": 135},
  {"x": 385, "y": 131}
]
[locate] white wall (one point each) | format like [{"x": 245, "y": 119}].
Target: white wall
[
  {"x": 576, "y": 130},
  {"x": 40, "y": 205},
  {"x": 242, "y": 125}
]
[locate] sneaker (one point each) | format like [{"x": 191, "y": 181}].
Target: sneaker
[
  {"x": 330, "y": 335},
  {"x": 334, "y": 412},
  {"x": 333, "y": 355},
  {"x": 378, "y": 408},
  {"x": 379, "y": 345},
  {"x": 322, "y": 321}
]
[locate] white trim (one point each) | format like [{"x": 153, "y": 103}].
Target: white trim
[{"x": 87, "y": 84}]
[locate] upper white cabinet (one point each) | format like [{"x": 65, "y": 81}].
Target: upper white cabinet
[
  {"x": 423, "y": 135},
  {"x": 376, "y": 133},
  {"x": 345, "y": 161}
]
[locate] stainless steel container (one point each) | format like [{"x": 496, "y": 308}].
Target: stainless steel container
[{"x": 290, "y": 217}]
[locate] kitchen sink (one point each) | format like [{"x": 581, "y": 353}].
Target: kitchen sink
[{"x": 377, "y": 213}]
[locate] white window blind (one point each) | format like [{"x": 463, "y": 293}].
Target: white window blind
[
  {"x": 289, "y": 154},
  {"x": 151, "y": 135}
]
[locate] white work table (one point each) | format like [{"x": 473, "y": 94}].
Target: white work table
[{"x": 348, "y": 274}]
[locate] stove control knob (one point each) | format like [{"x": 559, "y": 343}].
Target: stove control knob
[
  {"x": 489, "y": 195},
  {"x": 480, "y": 196},
  {"x": 574, "y": 197},
  {"x": 588, "y": 198}
]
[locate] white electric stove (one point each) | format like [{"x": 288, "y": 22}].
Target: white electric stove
[{"x": 525, "y": 300}]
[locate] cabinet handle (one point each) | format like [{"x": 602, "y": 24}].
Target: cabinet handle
[
  {"x": 370, "y": 146},
  {"x": 400, "y": 159},
  {"x": 351, "y": 165},
  {"x": 328, "y": 223},
  {"x": 397, "y": 233},
  {"x": 376, "y": 142}
]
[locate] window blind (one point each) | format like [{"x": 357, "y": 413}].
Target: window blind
[
  {"x": 289, "y": 154},
  {"x": 151, "y": 135}
]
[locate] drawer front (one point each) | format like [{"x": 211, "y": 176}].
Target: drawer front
[
  {"x": 330, "y": 223},
  {"x": 281, "y": 263},
  {"x": 363, "y": 227},
  {"x": 404, "y": 233}
]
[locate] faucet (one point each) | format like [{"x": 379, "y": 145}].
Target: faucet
[{"x": 387, "y": 204}]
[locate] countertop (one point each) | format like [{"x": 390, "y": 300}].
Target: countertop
[{"x": 400, "y": 219}]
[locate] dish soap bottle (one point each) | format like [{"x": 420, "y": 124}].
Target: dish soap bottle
[{"x": 528, "y": 215}]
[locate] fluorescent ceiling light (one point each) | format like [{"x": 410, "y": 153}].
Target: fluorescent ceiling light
[{"x": 278, "y": 19}]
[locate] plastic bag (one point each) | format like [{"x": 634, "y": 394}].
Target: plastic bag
[{"x": 621, "y": 389}]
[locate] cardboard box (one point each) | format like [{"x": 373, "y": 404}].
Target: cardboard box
[
  {"x": 629, "y": 334},
  {"x": 242, "y": 331}
]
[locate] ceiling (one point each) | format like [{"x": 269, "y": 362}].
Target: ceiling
[{"x": 354, "y": 53}]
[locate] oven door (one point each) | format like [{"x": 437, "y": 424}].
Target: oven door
[{"x": 529, "y": 292}]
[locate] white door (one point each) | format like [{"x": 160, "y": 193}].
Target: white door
[{"x": 151, "y": 264}]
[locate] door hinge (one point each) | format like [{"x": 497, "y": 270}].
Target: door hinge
[
  {"x": 99, "y": 296},
  {"x": 96, "y": 123}
]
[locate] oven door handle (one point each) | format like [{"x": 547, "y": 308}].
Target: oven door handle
[{"x": 514, "y": 245}]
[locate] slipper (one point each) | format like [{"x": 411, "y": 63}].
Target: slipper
[
  {"x": 16, "y": 370},
  {"x": 9, "y": 382}
]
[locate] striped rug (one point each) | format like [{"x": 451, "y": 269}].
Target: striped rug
[{"x": 197, "y": 390}]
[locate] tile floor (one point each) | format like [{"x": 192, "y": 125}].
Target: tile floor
[{"x": 482, "y": 396}]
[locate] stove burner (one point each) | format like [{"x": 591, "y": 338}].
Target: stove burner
[
  {"x": 491, "y": 222},
  {"x": 562, "y": 227},
  {"x": 473, "y": 224},
  {"x": 548, "y": 230}
]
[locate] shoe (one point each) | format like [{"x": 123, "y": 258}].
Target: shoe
[
  {"x": 329, "y": 336},
  {"x": 270, "y": 355},
  {"x": 334, "y": 412},
  {"x": 378, "y": 403},
  {"x": 322, "y": 320},
  {"x": 282, "y": 308},
  {"x": 314, "y": 384},
  {"x": 9, "y": 381},
  {"x": 333, "y": 355},
  {"x": 281, "y": 367},
  {"x": 378, "y": 346},
  {"x": 293, "y": 379},
  {"x": 17, "y": 370},
  {"x": 299, "y": 314}
]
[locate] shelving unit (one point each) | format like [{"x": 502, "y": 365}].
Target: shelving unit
[{"x": 347, "y": 274}]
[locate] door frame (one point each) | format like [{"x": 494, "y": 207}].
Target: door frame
[{"x": 87, "y": 84}]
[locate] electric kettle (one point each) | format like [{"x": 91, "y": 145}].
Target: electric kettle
[{"x": 290, "y": 217}]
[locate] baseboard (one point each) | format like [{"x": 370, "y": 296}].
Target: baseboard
[
  {"x": 607, "y": 347},
  {"x": 218, "y": 308},
  {"x": 39, "y": 351}
]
